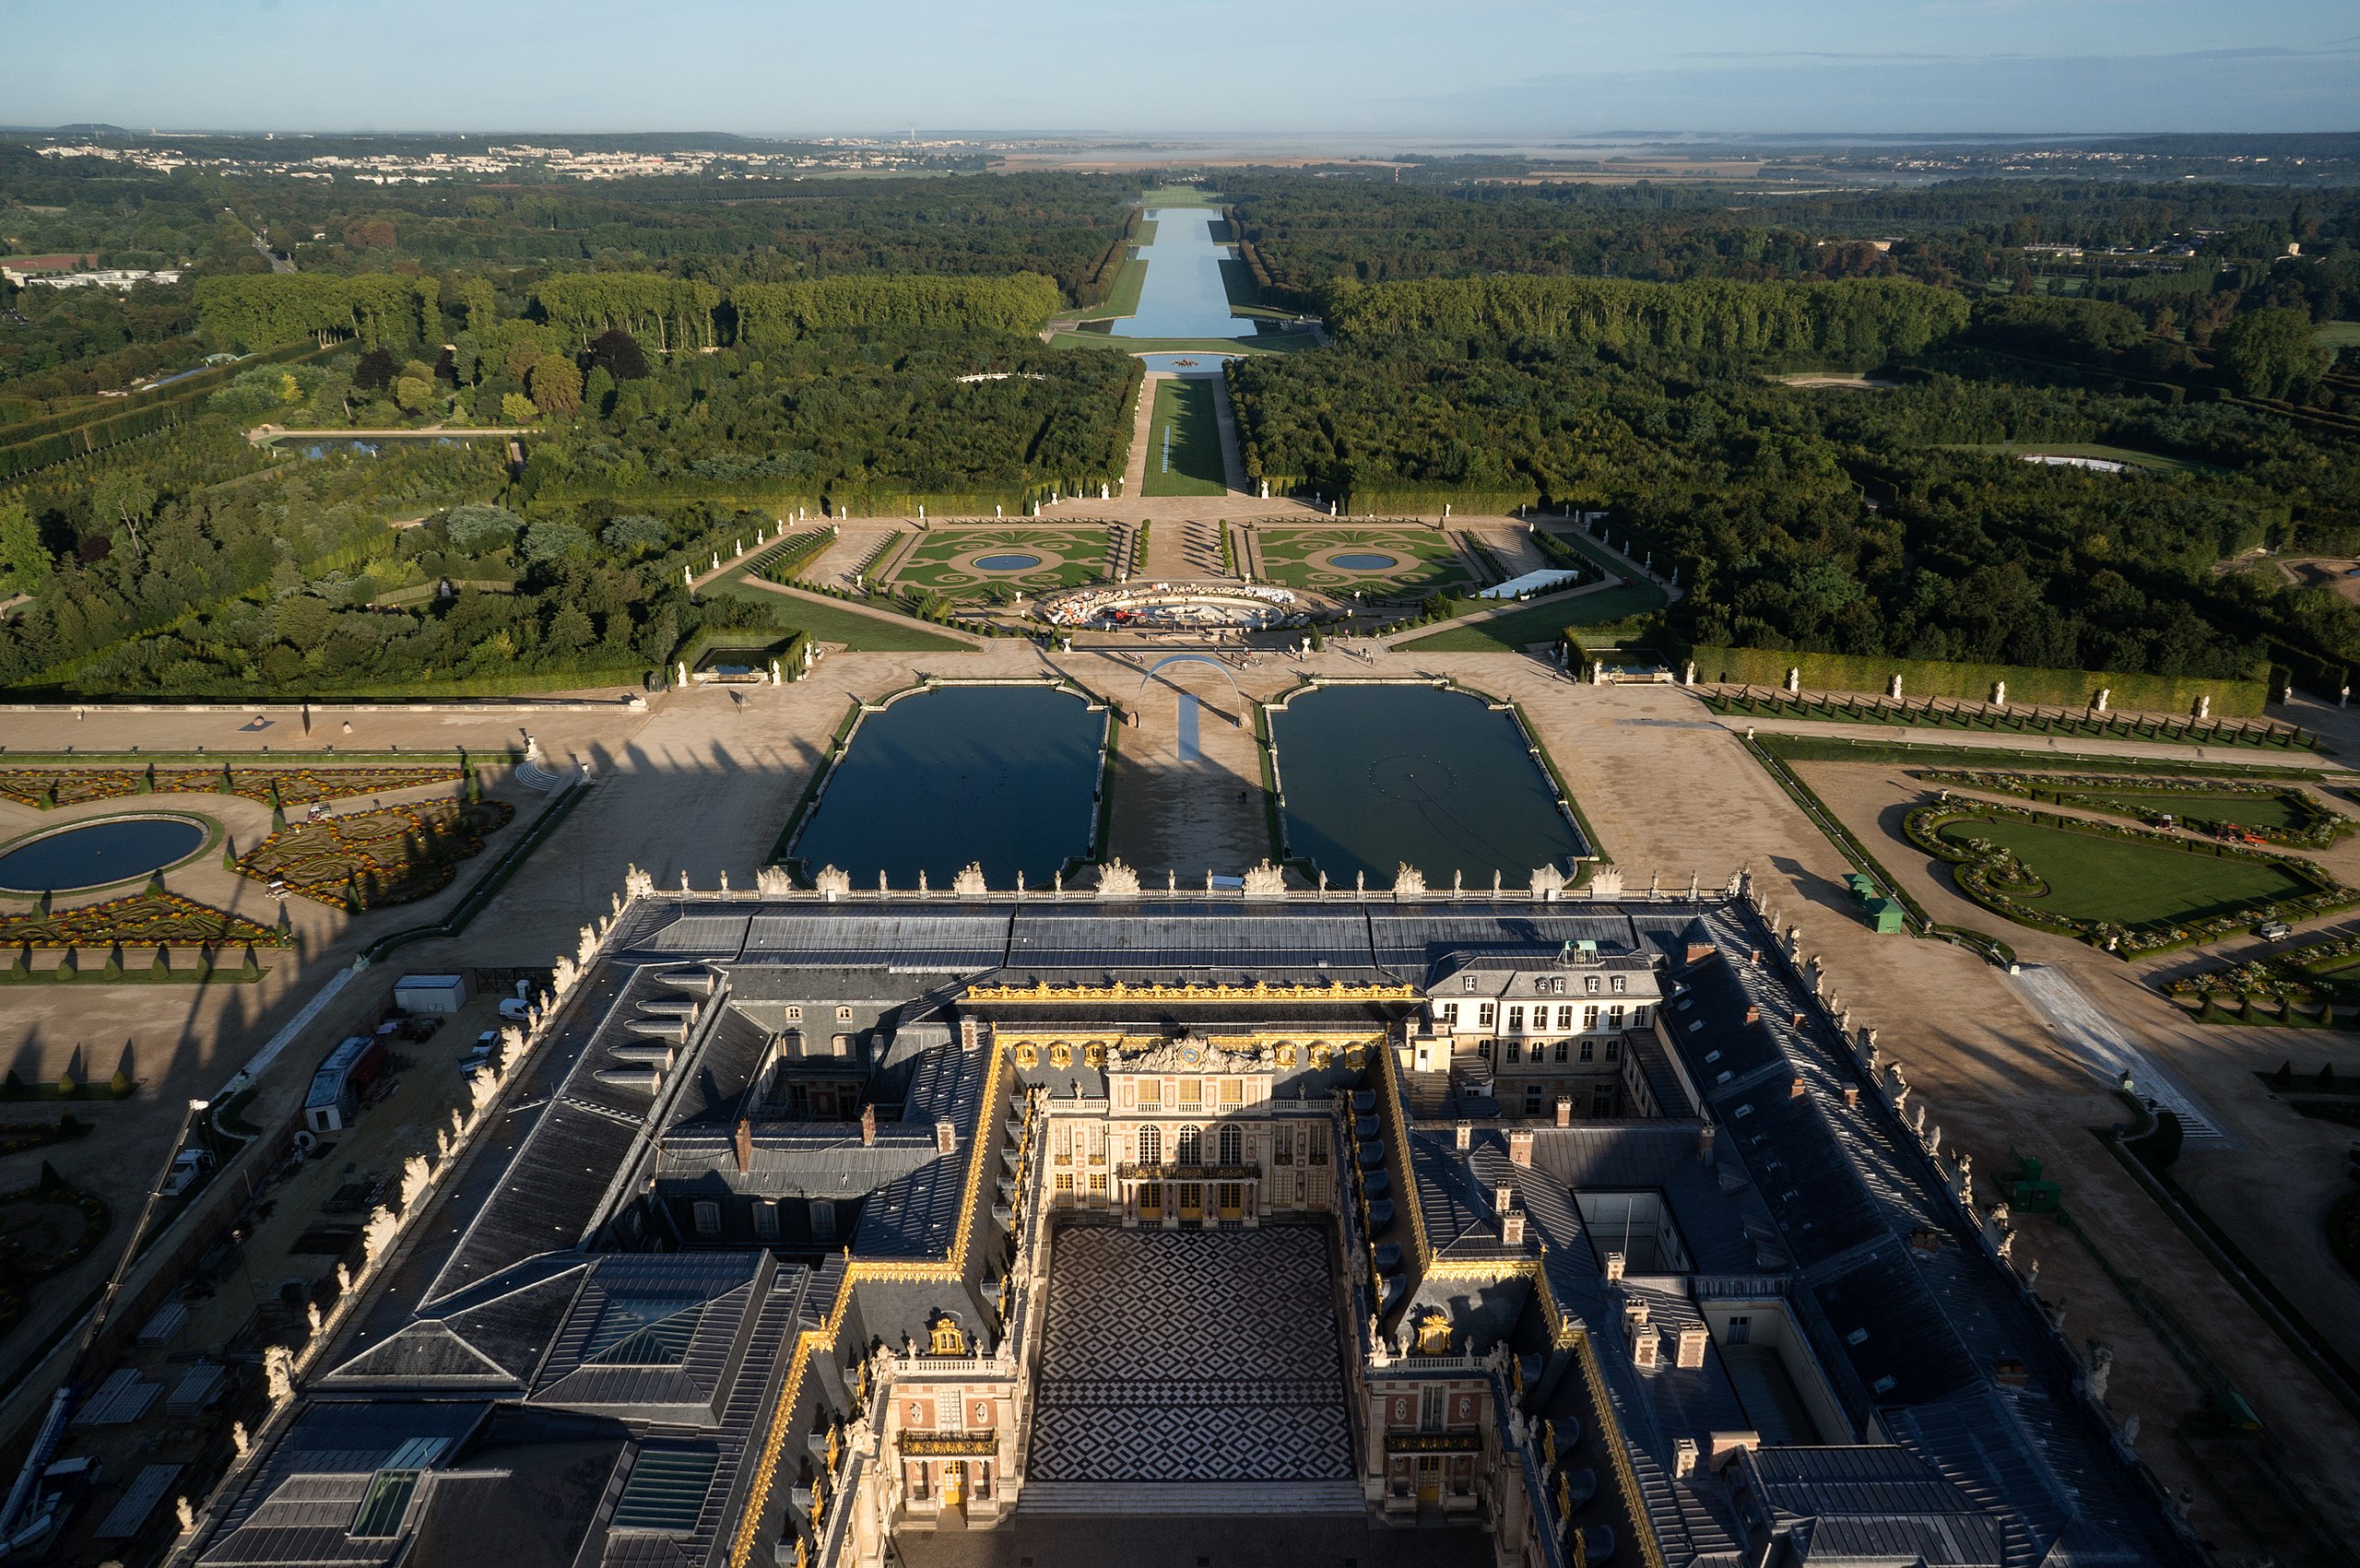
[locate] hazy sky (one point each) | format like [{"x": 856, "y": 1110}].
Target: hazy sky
[{"x": 1167, "y": 67}]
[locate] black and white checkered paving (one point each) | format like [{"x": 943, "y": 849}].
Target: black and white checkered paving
[{"x": 1190, "y": 1356}]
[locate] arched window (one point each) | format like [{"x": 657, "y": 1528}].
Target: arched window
[
  {"x": 1233, "y": 1146},
  {"x": 947, "y": 1341},
  {"x": 1192, "y": 1145},
  {"x": 1150, "y": 1145}
]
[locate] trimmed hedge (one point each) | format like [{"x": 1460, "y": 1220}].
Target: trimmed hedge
[{"x": 1974, "y": 683}]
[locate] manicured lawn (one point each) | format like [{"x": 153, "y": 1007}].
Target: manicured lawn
[
  {"x": 1298, "y": 558},
  {"x": 2246, "y": 810},
  {"x": 2125, "y": 882},
  {"x": 1178, "y": 195},
  {"x": 1125, "y": 300},
  {"x": 827, "y": 623},
  {"x": 2337, "y": 335},
  {"x": 1539, "y": 622},
  {"x": 1069, "y": 556},
  {"x": 1183, "y": 441}
]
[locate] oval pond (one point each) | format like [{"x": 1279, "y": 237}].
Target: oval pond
[
  {"x": 1364, "y": 560},
  {"x": 114, "y": 849},
  {"x": 1007, "y": 562}
]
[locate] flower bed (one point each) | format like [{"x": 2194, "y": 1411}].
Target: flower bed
[
  {"x": 393, "y": 855},
  {"x": 2309, "y": 975},
  {"x": 1996, "y": 878},
  {"x": 2310, "y": 825},
  {"x": 45, "y": 787},
  {"x": 139, "y": 920}
]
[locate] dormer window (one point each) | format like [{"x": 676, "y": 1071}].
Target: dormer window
[
  {"x": 795, "y": 1012},
  {"x": 1467, "y": 983},
  {"x": 946, "y": 1339},
  {"x": 1618, "y": 984},
  {"x": 1589, "y": 984},
  {"x": 843, "y": 1015}
]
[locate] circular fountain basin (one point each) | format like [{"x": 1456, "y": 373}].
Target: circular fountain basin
[
  {"x": 116, "y": 849},
  {"x": 1007, "y": 562}
]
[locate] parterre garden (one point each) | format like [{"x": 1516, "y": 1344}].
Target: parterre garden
[
  {"x": 2279, "y": 813},
  {"x": 154, "y": 918},
  {"x": 2127, "y": 890},
  {"x": 393, "y": 855},
  {"x": 42, "y": 787},
  {"x": 943, "y": 561},
  {"x": 1427, "y": 562}
]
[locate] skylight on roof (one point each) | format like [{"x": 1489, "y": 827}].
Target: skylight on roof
[
  {"x": 667, "y": 1490},
  {"x": 383, "y": 1507},
  {"x": 643, "y": 1331}
]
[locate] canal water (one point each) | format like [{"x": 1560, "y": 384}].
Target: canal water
[
  {"x": 1184, "y": 296},
  {"x": 113, "y": 851},
  {"x": 1375, "y": 776},
  {"x": 1004, "y": 774}
]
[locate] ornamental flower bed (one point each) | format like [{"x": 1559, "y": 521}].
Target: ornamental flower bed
[
  {"x": 2314, "y": 975},
  {"x": 45, "y": 787},
  {"x": 139, "y": 920},
  {"x": 1987, "y": 876},
  {"x": 2316, "y": 826},
  {"x": 395, "y": 854}
]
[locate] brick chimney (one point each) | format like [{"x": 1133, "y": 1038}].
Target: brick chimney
[
  {"x": 1798, "y": 1021},
  {"x": 1462, "y": 1137},
  {"x": 1564, "y": 1110},
  {"x": 1699, "y": 952},
  {"x": 1512, "y": 1228},
  {"x": 1613, "y": 1266},
  {"x": 1796, "y": 1089},
  {"x": 1691, "y": 1352},
  {"x": 868, "y": 1126},
  {"x": 1683, "y": 1455},
  {"x": 946, "y": 1137},
  {"x": 1520, "y": 1145},
  {"x": 1852, "y": 1099},
  {"x": 742, "y": 1143},
  {"x": 1753, "y": 1013},
  {"x": 1647, "y": 1347},
  {"x": 969, "y": 1035}
]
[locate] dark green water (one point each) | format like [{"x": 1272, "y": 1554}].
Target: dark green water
[
  {"x": 1377, "y": 775},
  {"x": 104, "y": 852},
  {"x": 1004, "y": 774}
]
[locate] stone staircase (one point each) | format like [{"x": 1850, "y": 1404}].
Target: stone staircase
[{"x": 1133, "y": 1499}]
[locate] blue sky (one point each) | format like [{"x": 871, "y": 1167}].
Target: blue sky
[{"x": 1160, "y": 67}]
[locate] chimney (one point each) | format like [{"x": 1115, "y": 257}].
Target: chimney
[
  {"x": 1852, "y": 1099},
  {"x": 1691, "y": 1352},
  {"x": 1727, "y": 1445},
  {"x": 1753, "y": 1013},
  {"x": 969, "y": 1035},
  {"x": 1646, "y": 1348},
  {"x": 1512, "y": 1228},
  {"x": 1564, "y": 1110},
  {"x": 1699, "y": 952},
  {"x": 1754, "y": 956},
  {"x": 1796, "y": 1089},
  {"x": 1613, "y": 1266},
  {"x": 742, "y": 1143},
  {"x": 1462, "y": 1137},
  {"x": 946, "y": 1137},
  {"x": 868, "y": 1126},
  {"x": 1683, "y": 1455},
  {"x": 1503, "y": 1199},
  {"x": 1520, "y": 1145},
  {"x": 1705, "y": 1136},
  {"x": 1798, "y": 1019}
]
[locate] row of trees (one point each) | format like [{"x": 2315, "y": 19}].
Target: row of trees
[
  {"x": 266, "y": 310},
  {"x": 772, "y": 312},
  {"x": 1861, "y": 322},
  {"x": 667, "y": 312}
]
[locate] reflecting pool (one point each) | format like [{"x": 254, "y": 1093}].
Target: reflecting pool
[
  {"x": 1184, "y": 296},
  {"x": 1004, "y": 774},
  {"x": 115, "y": 850},
  {"x": 1007, "y": 562},
  {"x": 1377, "y": 775},
  {"x": 1364, "y": 561}
]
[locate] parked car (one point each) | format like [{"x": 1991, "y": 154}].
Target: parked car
[
  {"x": 2273, "y": 930},
  {"x": 189, "y": 1167},
  {"x": 515, "y": 1009}
]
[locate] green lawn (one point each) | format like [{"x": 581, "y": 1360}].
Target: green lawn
[
  {"x": 1183, "y": 441},
  {"x": 1069, "y": 556},
  {"x": 1539, "y": 622},
  {"x": 2147, "y": 460},
  {"x": 1125, "y": 300},
  {"x": 828, "y": 623},
  {"x": 1296, "y": 557},
  {"x": 2246, "y": 810},
  {"x": 2126, "y": 882},
  {"x": 2337, "y": 335},
  {"x": 1179, "y": 196}
]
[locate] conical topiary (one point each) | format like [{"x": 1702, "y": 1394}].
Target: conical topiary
[
  {"x": 119, "y": 1085},
  {"x": 66, "y": 1084}
]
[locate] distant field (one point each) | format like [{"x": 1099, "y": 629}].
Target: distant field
[{"x": 1183, "y": 441}]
